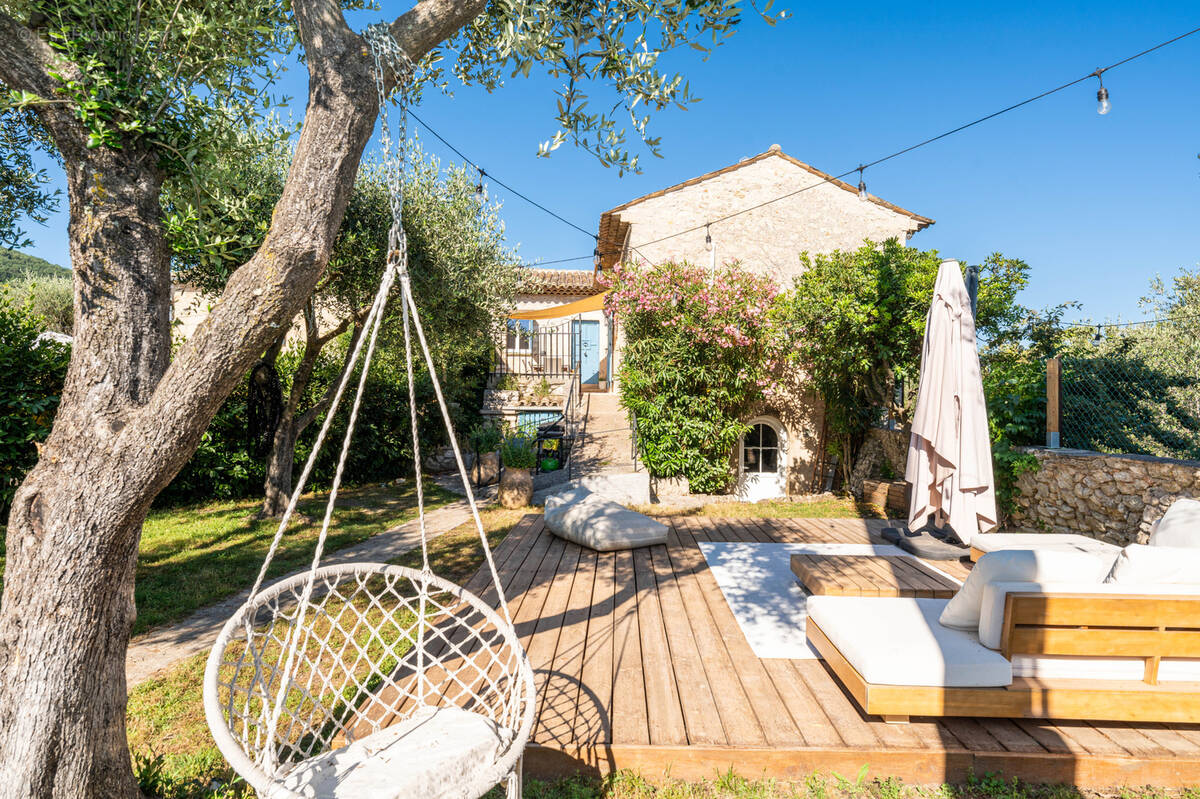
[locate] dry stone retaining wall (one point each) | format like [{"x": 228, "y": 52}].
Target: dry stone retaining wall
[{"x": 1112, "y": 497}]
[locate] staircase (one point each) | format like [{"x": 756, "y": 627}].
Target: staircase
[{"x": 605, "y": 444}]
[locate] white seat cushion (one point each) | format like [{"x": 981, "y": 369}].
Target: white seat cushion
[
  {"x": 1068, "y": 541},
  {"x": 1156, "y": 565},
  {"x": 430, "y": 754},
  {"x": 1179, "y": 526},
  {"x": 592, "y": 521},
  {"x": 991, "y": 619},
  {"x": 892, "y": 641},
  {"x": 1024, "y": 565}
]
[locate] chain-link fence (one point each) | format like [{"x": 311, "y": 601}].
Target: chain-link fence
[{"x": 1134, "y": 388}]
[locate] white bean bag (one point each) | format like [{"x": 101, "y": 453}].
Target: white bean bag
[
  {"x": 1179, "y": 526},
  {"x": 894, "y": 641},
  {"x": 428, "y": 755},
  {"x": 592, "y": 521},
  {"x": 1026, "y": 565}
]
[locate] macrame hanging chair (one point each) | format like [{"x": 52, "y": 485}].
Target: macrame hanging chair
[{"x": 370, "y": 680}]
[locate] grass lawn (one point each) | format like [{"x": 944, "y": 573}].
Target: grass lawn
[
  {"x": 194, "y": 556},
  {"x": 173, "y": 751},
  {"x": 822, "y": 507}
]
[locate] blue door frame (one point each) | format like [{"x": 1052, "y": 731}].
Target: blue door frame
[{"x": 585, "y": 350}]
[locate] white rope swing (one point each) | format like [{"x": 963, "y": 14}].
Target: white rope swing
[{"x": 370, "y": 680}]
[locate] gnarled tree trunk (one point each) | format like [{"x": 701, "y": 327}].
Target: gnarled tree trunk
[{"x": 128, "y": 421}]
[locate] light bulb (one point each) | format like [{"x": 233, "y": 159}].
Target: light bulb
[
  {"x": 596, "y": 257},
  {"x": 480, "y": 193},
  {"x": 862, "y": 186},
  {"x": 707, "y": 239},
  {"x": 1105, "y": 106}
]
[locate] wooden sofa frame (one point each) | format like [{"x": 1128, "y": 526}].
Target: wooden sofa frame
[{"x": 1078, "y": 624}]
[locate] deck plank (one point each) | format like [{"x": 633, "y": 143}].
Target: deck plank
[
  {"x": 644, "y": 666},
  {"x": 738, "y": 723}
]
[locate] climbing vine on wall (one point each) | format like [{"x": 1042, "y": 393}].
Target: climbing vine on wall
[{"x": 701, "y": 349}]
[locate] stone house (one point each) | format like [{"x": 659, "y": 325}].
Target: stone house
[{"x": 762, "y": 212}]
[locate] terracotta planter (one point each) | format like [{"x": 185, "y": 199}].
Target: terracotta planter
[
  {"x": 516, "y": 488},
  {"x": 487, "y": 469}
]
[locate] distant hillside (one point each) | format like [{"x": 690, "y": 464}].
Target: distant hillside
[{"x": 14, "y": 264}]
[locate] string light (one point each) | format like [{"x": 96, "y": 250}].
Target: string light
[
  {"x": 480, "y": 190},
  {"x": 596, "y": 255},
  {"x": 862, "y": 185},
  {"x": 1102, "y": 96},
  {"x": 1096, "y": 338},
  {"x": 707, "y": 238}
]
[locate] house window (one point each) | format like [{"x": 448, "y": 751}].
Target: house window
[
  {"x": 760, "y": 450},
  {"x": 521, "y": 333}
]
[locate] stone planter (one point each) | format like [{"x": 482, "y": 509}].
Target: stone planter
[
  {"x": 496, "y": 399},
  {"x": 487, "y": 470},
  {"x": 516, "y": 488}
]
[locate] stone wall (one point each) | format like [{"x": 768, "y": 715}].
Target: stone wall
[{"x": 1113, "y": 497}]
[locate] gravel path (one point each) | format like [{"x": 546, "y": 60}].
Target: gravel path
[{"x": 157, "y": 649}]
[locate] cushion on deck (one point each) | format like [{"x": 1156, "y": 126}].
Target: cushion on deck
[
  {"x": 991, "y": 619},
  {"x": 428, "y": 755},
  {"x": 1024, "y": 565},
  {"x": 1156, "y": 565},
  {"x": 893, "y": 641},
  {"x": 1068, "y": 541},
  {"x": 592, "y": 521},
  {"x": 1179, "y": 526}
]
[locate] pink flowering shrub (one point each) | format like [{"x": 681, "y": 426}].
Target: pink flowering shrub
[{"x": 700, "y": 351}]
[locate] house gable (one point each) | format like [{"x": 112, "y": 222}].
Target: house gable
[{"x": 817, "y": 214}]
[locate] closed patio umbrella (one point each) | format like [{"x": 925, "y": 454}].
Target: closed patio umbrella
[{"x": 949, "y": 454}]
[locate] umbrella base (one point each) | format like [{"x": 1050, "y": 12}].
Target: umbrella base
[{"x": 925, "y": 545}]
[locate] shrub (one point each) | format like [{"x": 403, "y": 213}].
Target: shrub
[
  {"x": 485, "y": 437},
  {"x": 700, "y": 352},
  {"x": 50, "y": 297},
  {"x": 32, "y": 374},
  {"x": 518, "y": 452}
]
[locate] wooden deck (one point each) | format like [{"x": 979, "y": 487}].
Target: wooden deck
[{"x": 641, "y": 665}]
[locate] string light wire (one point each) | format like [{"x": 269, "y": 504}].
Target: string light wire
[{"x": 832, "y": 179}]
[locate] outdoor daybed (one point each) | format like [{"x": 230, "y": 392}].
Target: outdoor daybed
[{"x": 1032, "y": 633}]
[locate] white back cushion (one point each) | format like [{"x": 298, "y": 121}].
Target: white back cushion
[
  {"x": 1179, "y": 526},
  {"x": 1020, "y": 565},
  {"x": 1156, "y": 565}
]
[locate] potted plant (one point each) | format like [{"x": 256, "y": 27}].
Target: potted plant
[
  {"x": 516, "y": 484},
  {"x": 485, "y": 438}
]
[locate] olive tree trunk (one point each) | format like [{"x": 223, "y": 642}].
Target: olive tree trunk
[{"x": 129, "y": 417}]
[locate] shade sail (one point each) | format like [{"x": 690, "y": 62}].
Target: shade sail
[
  {"x": 949, "y": 454},
  {"x": 592, "y": 303}
]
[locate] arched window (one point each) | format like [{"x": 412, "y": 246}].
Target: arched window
[
  {"x": 763, "y": 459},
  {"x": 760, "y": 449}
]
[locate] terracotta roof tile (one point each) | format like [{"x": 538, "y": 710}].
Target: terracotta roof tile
[{"x": 559, "y": 281}]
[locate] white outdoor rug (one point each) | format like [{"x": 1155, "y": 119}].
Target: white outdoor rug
[{"x": 764, "y": 595}]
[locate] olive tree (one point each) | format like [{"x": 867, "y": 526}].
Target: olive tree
[
  {"x": 463, "y": 274},
  {"x": 133, "y": 93}
]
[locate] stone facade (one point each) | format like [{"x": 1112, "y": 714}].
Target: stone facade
[
  {"x": 822, "y": 217},
  {"x": 1116, "y": 498}
]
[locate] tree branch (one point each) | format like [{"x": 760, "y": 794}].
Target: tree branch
[
  {"x": 306, "y": 418},
  {"x": 25, "y": 65},
  {"x": 265, "y": 293}
]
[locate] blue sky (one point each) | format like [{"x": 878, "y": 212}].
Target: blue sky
[{"x": 1097, "y": 205}]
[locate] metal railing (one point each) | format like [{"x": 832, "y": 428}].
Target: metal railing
[{"x": 533, "y": 350}]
